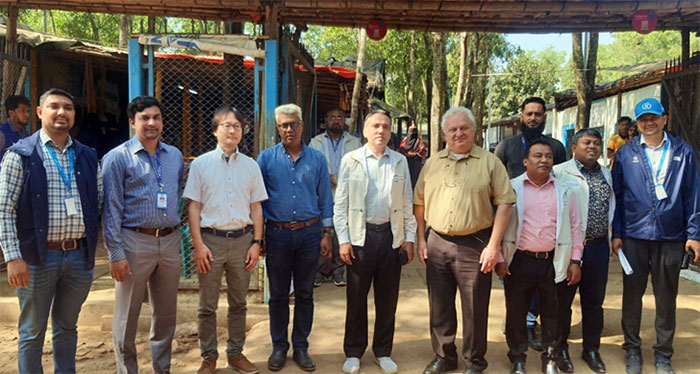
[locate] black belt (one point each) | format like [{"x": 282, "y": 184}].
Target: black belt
[
  {"x": 295, "y": 225},
  {"x": 538, "y": 255},
  {"x": 153, "y": 232},
  {"x": 229, "y": 234},
  {"x": 594, "y": 241},
  {"x": 378, "y": 228},
  {"x": 67, "y": 245},
  {"x": 477, "y": 240}
]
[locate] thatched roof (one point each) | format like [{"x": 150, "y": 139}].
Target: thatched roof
[{"x": 533, "y": 16}]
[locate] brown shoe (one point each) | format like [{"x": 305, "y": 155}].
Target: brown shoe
[
  {"x": 208, "y": 367},
  {"x": 241, "y": 363}
]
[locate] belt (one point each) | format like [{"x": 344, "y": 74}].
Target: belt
[
  {"x": 594, "y": 241},
  {"x": 295, "y": 225},
  {"x": 67, "y": 245},
  {"x": 538, "y": 255},
  {"x": 386, "y": 226},
  {"x": 229, "y": 234},
  {"x": 153, "y": 232}
]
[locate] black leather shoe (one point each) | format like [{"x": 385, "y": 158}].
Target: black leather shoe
[
  {"x": 664, "y": 368},
  {"x": 473, "y": 370},
  {"x": 276, "y": 360},
  {"x": 518, "y": 368},
  {"x": 439, "y": 366},
  {"x": 595, "y": 363},
  {"x": 634, "y": 363},
  {"x": 534, "y": 340},
  {"x": 550, "y": 367},
  {"x": 564, "y": 362},
  {"x": 304, "y": 361}
]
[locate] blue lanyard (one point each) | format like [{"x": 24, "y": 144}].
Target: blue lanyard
[
  {"x": 159, "y": 171},
  {"x": 65, "y": 178},
  {"x": 661, "y": 163}
]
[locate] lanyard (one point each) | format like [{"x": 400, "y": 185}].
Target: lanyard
[
  {"x": 661, "y": 163},
  {"x": 65, "y": 177},
  {"x": 524, "y": 146},
  {"x": 159, "y": 171}
]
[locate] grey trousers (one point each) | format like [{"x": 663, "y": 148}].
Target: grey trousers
[
  {"x": 663, "y": 261},
  {"x": 229, "y": 256},
  {"x": 155, "y": 263}
]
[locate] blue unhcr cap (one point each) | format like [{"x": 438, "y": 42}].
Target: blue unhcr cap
[{"x": 648, "y": 105}]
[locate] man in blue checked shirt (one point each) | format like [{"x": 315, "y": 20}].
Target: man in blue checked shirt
[
  {"x": 143, "y": 185},
  {"x": 299, "y": 216},
  {"x": 50, "y": 198}
]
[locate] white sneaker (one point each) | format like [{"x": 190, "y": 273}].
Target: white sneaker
[
  {"x": 387, "y": 365},
  {"x": 351, "y": 365}
]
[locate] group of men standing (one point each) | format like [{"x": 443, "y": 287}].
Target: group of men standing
[{"x": 542, "y": 223}]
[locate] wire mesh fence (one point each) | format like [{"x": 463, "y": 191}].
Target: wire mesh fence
[
  {"x": 14, "y": 77},
  {"x": 191, "y": 89}
]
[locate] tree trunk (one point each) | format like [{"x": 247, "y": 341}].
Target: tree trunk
[
  {"x": 411, "y": 77},
  {"x": 124, "y": 26},
  {"x": 481, "y": 88},
  {"x": 439, "y": 88},
  {"x": 473, "y": 55},
  {"x": 427, "y": 85},
  {"x": 95, "y": 29},
  {"x": 53, "y": 23},
  {"x": 461, "y": 78},
  {"x": 584, "y": 76},
  {"x": 358, "y": 81}
]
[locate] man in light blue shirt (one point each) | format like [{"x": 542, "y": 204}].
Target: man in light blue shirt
[
  {"x": 143, "y": 185},
  {"x": 299, "y": 218}
]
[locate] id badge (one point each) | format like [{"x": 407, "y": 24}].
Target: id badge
[
  {"x": 660, "y": 192},
  {"x": 162, "y": 200},
  {"x": 71, "y": 206}
]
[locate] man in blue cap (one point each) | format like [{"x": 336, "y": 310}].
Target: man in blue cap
[{"x": 657, "y": 220}]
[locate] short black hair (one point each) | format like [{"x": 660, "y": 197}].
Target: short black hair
[
  {"x": 534, "y": 99},
  {"x": 139, "y": 104},
  {"x": 589, "y": 131},
  {"x": 55, "y": 91},
  {"x": 221, "y": 112},
  {"x": 14, "y": 101},
  {"x": 623, "y": 119},
  {"x": 534, "y": 142}
]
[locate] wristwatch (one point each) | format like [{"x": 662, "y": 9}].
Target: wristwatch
[
  {"x": 577, "y": 262},
  {"x": 257, "y": 241},
  {"x": 328, "y": 231}
]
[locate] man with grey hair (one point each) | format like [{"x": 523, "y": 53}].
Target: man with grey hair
[
  {"x": 299, "y": 217},
  {"x": 464, "y": 198}
]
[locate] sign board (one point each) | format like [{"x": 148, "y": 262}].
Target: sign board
[{"x": 644, "y": 21}]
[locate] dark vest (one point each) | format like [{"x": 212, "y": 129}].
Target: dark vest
[
  {"x": 32, "y": 208},
  {"x": 11, "y": 137}
]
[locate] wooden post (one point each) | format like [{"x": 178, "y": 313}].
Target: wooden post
[
  {"x": 34, "y": 96},
  {"x": 8, "y": 69},
  {"x": 685, "y": 47}
]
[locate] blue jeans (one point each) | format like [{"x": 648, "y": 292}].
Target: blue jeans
[
  {"x": 292, "y": 253},
  {"x": 64, "y": 281}
]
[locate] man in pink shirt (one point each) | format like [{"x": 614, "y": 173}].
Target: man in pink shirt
[{"x": 542, "y": 246}]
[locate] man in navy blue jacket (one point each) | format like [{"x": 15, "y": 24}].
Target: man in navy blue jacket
[{"x": 657, "y": 219}]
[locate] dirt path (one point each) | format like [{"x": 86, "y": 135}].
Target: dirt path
[{"x": 412, "y": 350}]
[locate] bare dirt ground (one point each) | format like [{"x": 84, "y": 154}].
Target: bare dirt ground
[{"x": 412, "y": 349}]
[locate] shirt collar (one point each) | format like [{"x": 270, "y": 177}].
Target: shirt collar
[
  {"x": 582, "y": 167},
  {"x": 222, "y": 155},
  {"x": 44, "y": 137},
  {"x": 283, "y": 150},
  {"x": 550, "y": 180},
  {"x": 368, "y": 152},
  {"x": 447, "y": 153},
  {"x": 643, "y": 141},
  {"x": 135, "y": 145}
]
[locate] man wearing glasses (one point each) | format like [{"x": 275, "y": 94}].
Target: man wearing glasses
[
  {"x": 225, "y": 189},
  {"x": 334, "y": 144},
  {"x": 299, "y": 216}
]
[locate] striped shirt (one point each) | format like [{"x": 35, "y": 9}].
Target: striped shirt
[
  {"x": 131, "y": 186},
  {"x": 61, "y": 226}
]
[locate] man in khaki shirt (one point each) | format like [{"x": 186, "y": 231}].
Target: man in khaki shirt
[{"x": 455, "y": 197}]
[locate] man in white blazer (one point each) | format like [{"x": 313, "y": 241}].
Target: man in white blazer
[
  {"x": 595, "y": 201},
  {"x": 373, "y": 218}
]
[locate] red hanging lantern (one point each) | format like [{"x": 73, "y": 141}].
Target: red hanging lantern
[{"x": 376, "y": 29}]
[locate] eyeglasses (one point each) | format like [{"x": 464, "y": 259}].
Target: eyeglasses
[
  {"x": 229, "y": 126},
  {"x": 289, "y": 125}
]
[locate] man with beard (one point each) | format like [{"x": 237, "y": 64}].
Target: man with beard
[
  {"x": 512, "y": 151},
  {"x": 619, "y": 139},
  {"x": 334, "y": 143}
]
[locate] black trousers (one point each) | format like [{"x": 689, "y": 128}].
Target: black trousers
[
  {"x": 663, "y": 261},
  {"x": 594, "y": 278},
  {"x": 528, "y": 275},
  {"x": 376, "y": 263}
]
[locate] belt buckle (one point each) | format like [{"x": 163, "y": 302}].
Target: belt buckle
[
  {"x": 537, "y": 255},
  {"x": 157, "y": 233},
  {"x": 230, "y": 234},
  {"x": 63, "y": 245}
]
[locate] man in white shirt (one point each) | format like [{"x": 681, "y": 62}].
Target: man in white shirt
[{"x": 225, "y": 189}]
